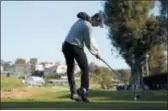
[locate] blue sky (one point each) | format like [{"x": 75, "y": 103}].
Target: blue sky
[{"x": 38, "y": 28}]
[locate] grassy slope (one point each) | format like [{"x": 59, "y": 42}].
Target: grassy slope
[{"x": 58, "y": 98}]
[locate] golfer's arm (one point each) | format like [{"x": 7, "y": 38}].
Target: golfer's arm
[{"x": 88, "y": 42}]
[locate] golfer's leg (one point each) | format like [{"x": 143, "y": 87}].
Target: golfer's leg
[
  {"x": 70, "y": 74},
  {"x": 83, "y": 64},
  {"x": 70, "y": 70}
]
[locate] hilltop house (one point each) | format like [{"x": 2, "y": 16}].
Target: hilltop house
[
  {"x": 54, "y": 68},
  {"x": 61, "y": 69},
  {"x": 6, "y": 68},
  {"x": 58, "y": 68},
  {"x": 23, "y": 68},
  {"x": 2, "y": 68},
  {"x": 50, "y": 70},
  {"x": 28, "y": 68},
  {"x": 50, "y": 67}
]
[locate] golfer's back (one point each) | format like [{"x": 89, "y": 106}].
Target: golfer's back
[{"x": 77, "y": 33}]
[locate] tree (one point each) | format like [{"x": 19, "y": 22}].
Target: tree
[
  {"x": 33, "y": 61},
  {"x": 164, "y": 21},
  {"x": 6, "y": 64},
  {"x": 20, "y": 61},
  {"x": 157, "y": 60},
  {"x": 125, "y": 74},
  {"x": 133, "y": 32},
  {"x": 164, "y": 7}
]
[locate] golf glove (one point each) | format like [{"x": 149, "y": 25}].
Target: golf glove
[{"x": 97, "y": 55}]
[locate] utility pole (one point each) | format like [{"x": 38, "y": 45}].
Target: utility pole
[
  {"x": 167, "y": 31},
  {"x": 147, "y": 64}
]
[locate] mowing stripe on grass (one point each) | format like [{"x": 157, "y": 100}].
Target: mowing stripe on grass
[{"x": 81, "y": 105}]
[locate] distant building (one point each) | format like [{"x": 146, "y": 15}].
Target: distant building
[
  {"x": 6, "y": 68},
  {"x": 28, "y": 68},
  {"x": 49, "y": 64},
  {"x": 50, "y": 70},
  {"x": 49, "y": 67},
  {"x": 2, "y": 68},
  {"x": 61, "y": 69},
  {"x": 23, "y": 68}
]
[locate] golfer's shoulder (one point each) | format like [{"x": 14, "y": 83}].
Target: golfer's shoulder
[{"x": 87, "y": 24}]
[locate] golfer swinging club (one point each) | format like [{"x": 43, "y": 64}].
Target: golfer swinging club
[{"x": 73, "y": 49}]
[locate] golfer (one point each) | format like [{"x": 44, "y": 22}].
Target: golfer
[{"x": 73, "y": 49}]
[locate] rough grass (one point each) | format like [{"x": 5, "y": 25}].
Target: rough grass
[
  {"x": 57, "y": 97},
  {"x": 10, "y": 82}
]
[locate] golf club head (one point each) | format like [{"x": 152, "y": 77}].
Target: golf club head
[{"x": 137, "y": 97}]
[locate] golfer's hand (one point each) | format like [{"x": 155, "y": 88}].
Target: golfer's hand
[{"x": 97, "y": 55}]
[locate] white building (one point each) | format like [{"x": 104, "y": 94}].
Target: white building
[
  {"x": 50, "y": 70},
  {"x": 49, "y": 65},
  {"x": 23, "y": 68},
  {"x": 61, "y": 69},
  {"x": 2, "y": 69},
  {"x": 57, "y": 68}
]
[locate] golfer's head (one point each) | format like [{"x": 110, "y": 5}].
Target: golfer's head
[{"x": 97, "y": 20}]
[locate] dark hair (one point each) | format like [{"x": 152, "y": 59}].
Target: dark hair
[
  {"x": 99, "y": 18},
  {"x": 83, "y": 16}
]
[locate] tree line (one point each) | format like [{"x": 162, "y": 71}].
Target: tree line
[
  {"x": 138, "y": 35},
  {"x": 32, "y": 61}
]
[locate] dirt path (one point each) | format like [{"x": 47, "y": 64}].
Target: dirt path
[{"x": 20, "y": 92}]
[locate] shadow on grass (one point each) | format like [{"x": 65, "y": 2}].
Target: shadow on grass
[
  {"x": 127, "y": 95},
  {"x": 81, "y": 105}
]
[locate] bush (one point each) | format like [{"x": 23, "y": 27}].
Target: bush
[{"x": 103, "y": 77}]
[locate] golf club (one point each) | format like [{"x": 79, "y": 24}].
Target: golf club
[
  {"x": 135, "y": 96},
  {"x": 116, "y": 73}
]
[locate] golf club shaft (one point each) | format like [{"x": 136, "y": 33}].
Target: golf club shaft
[{"x": 109, "y": 66}]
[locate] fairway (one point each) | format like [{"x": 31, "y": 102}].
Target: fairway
[{"x": 57, "y": 97}]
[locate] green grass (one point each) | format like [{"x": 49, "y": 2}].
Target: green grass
[
  {"x": 10, "y": 82},
  {"x": 57, "y": 97}
]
